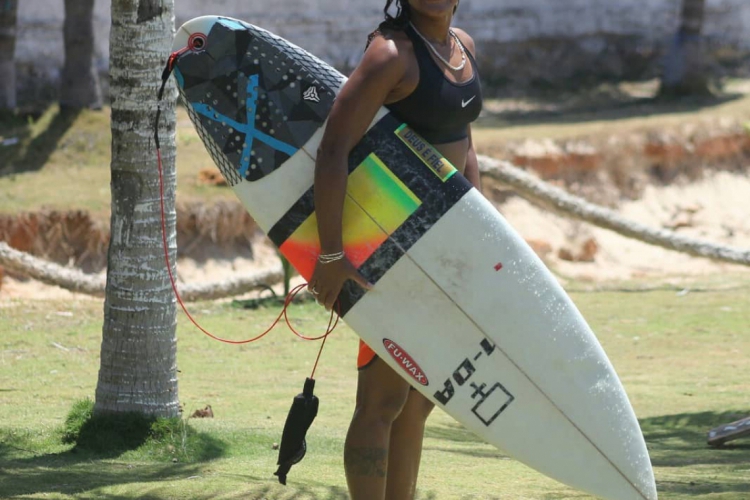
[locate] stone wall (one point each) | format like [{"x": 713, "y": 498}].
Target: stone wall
[{"x": 521, "y": 43}]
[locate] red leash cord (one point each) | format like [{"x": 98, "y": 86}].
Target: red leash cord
[{"x": 284, "y": 311}]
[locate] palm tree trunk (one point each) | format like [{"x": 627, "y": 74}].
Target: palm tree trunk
[
  {"x": 685, "y": 68},
  {"x": 80, "y": 82},
  {"x": 8, "y": 14},
  {"x": 138, "y": 371}
]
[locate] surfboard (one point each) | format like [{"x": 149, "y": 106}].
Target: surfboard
[{"x": 461, "y": 307}]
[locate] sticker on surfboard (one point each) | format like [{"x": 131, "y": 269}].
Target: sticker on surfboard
[
  {"x": 405, "y": 361},
  {"x": 377, "y": 204},
  {"x": 490, "y": 398},
  {"x": 429, "y": 155}
]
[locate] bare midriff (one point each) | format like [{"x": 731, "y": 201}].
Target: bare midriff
[{"x": 455, "y": 152}]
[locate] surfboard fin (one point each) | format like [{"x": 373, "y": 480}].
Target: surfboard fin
[{"x": 301, "y": 415}]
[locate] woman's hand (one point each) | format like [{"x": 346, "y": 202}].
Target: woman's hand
[{"x": 328, "y": 279}]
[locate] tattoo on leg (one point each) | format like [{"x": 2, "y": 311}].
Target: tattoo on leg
[{"x": 366, "y": 461}]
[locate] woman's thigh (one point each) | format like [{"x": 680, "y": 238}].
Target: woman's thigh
[{"x": 381, "y": 389}]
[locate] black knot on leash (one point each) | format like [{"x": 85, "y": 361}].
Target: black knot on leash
[{"x": 293, "y": 444}]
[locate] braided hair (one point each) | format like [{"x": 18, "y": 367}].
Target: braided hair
[{"x": 395, "y": 23}]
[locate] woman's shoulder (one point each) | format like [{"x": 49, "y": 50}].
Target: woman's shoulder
[
  {"x": 388, "y": 46},
  {"x": 466, "y": 40},
  {"x": 395, "y": 34},
  {"x": 390, "y": 39}
]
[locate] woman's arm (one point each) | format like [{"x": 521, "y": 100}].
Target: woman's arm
[
  {"x": 471, "y": 171},
  {"x": 381, "y": 72}
]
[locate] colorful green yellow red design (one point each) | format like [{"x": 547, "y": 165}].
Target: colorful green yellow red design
[
  {"x": 377, "y": 203},
  {"x": 427, "y": 153}
]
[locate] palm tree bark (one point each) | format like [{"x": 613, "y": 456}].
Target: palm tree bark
[
  {"x": 138, "y": 371},
  {"x": 80, "y": 82},
  {"x": 685, "y": 69},
  {"x": 8, "y": 16}
]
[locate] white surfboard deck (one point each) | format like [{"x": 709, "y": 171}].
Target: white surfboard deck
[{"x": 471, "y": 318}]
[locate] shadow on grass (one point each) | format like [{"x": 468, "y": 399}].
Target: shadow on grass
[
  {"x": 30, "y": 155},
  {"x": 679, "y": 441},
  {"x": 458, "y": 434},
  {"x": 698, "y": 488},
  {"x": 84, "y": 469},
  {"x": 299, "y": 491},
  {"x": 552, "y": 109},
  {"x": 677, "y": 445},
  {"x": 484, "y": 452},
  {"x": 267, "y": 488},
  {"x": 308, "y": 491},
  {"x": 72, "y": 472},
  {"x": 673, "y": 440},
  {"x": 451, "y": 432}
]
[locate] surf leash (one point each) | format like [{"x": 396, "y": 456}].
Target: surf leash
[
  {"x": 332, "y": 322},
  {"x": 293, "y": 445}
]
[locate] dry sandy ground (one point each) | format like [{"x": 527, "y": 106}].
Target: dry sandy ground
[
  {"x": 717, "y": 209},
  {"x": 720, "y": 206}
]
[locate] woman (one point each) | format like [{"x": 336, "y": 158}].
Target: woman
[{"x": 425, "y": 73}]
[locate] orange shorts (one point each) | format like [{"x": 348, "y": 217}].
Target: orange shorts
[{"x": 366, "y": 355}]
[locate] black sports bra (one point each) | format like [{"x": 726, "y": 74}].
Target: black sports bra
[{"x": 439, "y": 110}]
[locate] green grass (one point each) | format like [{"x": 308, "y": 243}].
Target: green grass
[
  {"x": 62, "y": 161},
  {"x": 682, "y": 358},
  {"x": 609, "y": 110},
  {"x": 112, "y": 435}
]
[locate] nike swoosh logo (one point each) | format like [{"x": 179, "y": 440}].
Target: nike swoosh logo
[{"x": 466, "y": 103}]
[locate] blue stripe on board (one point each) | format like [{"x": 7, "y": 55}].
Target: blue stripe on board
[
  {"x": 231, "y": 23},
  {"x": 250, "y": 112},
  {"x": 248, "y": 128}
]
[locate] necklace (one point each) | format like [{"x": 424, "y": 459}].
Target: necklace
[{"x": 438, "y": 55}]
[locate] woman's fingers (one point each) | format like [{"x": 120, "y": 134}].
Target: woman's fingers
[
  {"x": 328, "y": 280},
  {"x": 360, "y": 280},
  {"x": 330, "y": 301}
]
